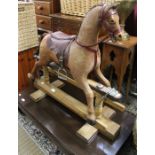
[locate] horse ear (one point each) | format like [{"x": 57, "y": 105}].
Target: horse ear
[{"x": 115, "y": 5}]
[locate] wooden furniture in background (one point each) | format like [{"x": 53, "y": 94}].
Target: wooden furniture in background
[
  {"x": 27, "y": 41},
  {"x": 66, "y": 23},
  {"x": 69, "y": 24},
  {"x": 44, "y": 22},
  {"x": 27, "y": 27},
  {"x": 25, "y": 64},
  {"x": 43, "y": 9},
  {"x": 119, "y": 54},
  {"x": 79, "y": 7},
  {"x": 50, "y": 19}
]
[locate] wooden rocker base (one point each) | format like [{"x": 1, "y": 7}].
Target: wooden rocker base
[
  {"x": 60, "y": 124},
  {"x": 107, "y": 127}
]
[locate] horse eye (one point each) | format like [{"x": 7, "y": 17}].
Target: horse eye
[{"x": 111, "y": 21}]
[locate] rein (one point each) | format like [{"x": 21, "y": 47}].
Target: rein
[
  {"x": 102, "y": 18},
  {"x": 100, "y": 40}
]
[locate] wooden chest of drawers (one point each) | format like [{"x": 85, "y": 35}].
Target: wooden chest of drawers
[
  {"x": 43, "y": 8},
  {"x": 66, "y": 23}
]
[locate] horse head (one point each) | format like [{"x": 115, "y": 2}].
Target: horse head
[{"x": 109, "y": 19}]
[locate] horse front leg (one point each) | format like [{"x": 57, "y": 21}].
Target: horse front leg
[
  {"x": 103, "y": 79},
  {"x": 83, "y": 83}
]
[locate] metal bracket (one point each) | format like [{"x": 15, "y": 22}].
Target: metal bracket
[{"x": 62, "y": 73}]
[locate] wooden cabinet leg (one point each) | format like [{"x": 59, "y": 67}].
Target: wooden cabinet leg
[
  {"x": 130, "y": 73},
  {"x": 120, "y": 72},
  {"x": 119, "y": 82}
]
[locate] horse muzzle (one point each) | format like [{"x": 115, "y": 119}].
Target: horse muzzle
[{"x": 119, "y": 36}]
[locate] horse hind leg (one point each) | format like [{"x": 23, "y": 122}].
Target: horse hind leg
[
  {"x": 45, "y": 55},
  {"x": 34, "y": 72}
]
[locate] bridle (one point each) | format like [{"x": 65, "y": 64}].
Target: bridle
[{"x": 103, "y": 15}]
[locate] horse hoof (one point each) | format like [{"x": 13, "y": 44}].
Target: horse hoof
[
  {"x": 108, "y": 84},
  {"x": 99, "y": 116},
  {"x": 91, "y": 119},
  {"x": 30, "y": 76},
  {"x": 91, "y": 122}
]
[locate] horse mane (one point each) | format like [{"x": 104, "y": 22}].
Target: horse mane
[
  {"x": 94, "y": 6},
  {"x": 110, "y": 6}
]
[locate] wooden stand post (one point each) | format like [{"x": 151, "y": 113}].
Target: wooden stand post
[
  {"x": 99, "y": 109},
  {"x": 46, "y": 74}
]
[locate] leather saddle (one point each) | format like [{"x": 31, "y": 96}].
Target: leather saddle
[{"x": 60, "y": 42}]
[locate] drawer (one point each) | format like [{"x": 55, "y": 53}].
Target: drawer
[
  {"x": 47, "y": 8},
  {"x": 42, "y": 8},
  {"x": 44, "y": 22}
]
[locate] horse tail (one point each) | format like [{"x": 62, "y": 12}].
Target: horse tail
[{"x": 42, "y": 36}]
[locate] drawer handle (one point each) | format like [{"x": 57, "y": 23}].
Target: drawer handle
[
  {"x": 41, "y": 22},
  {"x": 40, "y": 7}
]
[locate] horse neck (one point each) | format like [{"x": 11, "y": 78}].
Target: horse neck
[{"x": 89, "y": 29}]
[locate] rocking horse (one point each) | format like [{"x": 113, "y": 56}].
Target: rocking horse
[{"x": 80, "y": 54}]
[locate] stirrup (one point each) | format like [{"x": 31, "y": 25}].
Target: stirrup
[{"x": 62, "y": 74}]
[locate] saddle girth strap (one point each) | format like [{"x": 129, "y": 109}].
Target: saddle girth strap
[{"x": 66, "y": 54}]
